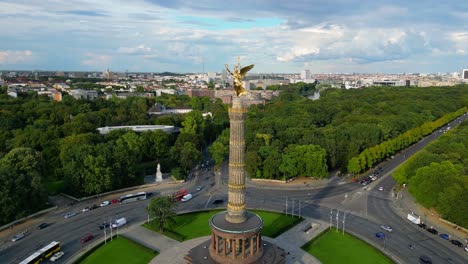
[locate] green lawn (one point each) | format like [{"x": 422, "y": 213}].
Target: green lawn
[
  {"x": 333, "y": 247},
  {"x": 120, "y": 250},
  {"x": 192, "y": 225}
]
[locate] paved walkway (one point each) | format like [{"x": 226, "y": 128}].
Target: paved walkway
[{"x": 172, "y": 251}]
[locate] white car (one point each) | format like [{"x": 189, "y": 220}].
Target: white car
[
  {"x": 386, "y": 228},
  {"x": 17, "y": 237},
  {"x": 380, "y": 188},
  {"x": 199, "y": 188},
  {"x": 70, "y": 214},
  {"x": 105, "y": 203},
  {"x": 186, "y": 197},
  {"x": 86, "y": 209},
  {"x": 56, "y": 256}
]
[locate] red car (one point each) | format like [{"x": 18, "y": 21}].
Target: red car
[
  {"x": 87, "y": 238},
  {"x": 114, "y": 201}
]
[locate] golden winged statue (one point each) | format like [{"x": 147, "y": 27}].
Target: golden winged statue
[{"x": 238, "y": 75}]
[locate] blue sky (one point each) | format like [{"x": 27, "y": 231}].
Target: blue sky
[{"x": 325, "y": 36}]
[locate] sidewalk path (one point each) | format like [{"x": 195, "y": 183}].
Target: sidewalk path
[{"x": 150, "y": 239}]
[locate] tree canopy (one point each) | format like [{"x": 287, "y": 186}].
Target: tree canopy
[{"x": 438, "y": 175}]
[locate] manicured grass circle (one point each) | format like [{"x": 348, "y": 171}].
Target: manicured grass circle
[
  {"x": 120, "y": 250},
  {"x": 193, "y": 225},
  {"x": 333, "y": 247}
]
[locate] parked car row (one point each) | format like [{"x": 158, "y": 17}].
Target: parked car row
[{"x": 443, "y": 236}]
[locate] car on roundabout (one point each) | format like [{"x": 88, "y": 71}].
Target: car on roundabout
[
  {"x": 386, "y": 228},
  {"x": 456, "y": 243},
  {"x": 86, "y": 238},
  {"x": 425, "y": 259},
  {"x": 70, "y": 214},
  {"x": 57, "y": 256},
  {"x": 104, "y": 225},
  {"x": 18, "y": 237},
  {"x": 444, "y": 236},
  {"x": 380, "y": 235},
  {"x": 218, "y": 201},
  {"x": 43, "y": 225},
  {"x": 432, "y": 231}
]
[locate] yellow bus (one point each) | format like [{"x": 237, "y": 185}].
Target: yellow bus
[{"x": 42, "y": 254}]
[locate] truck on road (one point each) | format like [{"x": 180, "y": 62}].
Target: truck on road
[
  {"x": 119, "y": 222},
  {"x": 414, "y": 218}
]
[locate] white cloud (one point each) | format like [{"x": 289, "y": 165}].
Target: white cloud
[
  {"x": 14, "y": 56},
  {"x": 334, "y": 34},
  {"x": 96, "y": 60},
  {"x": 140, "y": 49},
  {"x": 460, "y": 40}
]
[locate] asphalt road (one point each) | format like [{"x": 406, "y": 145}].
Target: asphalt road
[{"x": 366, "y": 209}]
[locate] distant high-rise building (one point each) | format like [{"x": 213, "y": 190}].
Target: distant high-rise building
[
  {"x": 224, "y": 75},
  {"x": 465, "y": 74},
  {"x": 211, "y": 76},
  {"x": 305, "y": 75}
]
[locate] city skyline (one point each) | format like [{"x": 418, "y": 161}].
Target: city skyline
[{"x": 324, "y": 36}]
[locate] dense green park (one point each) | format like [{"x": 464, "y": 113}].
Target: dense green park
[
  {"x": 437, "y": 176},
  {"x": 51, "y": 144},
  {"x": 333, "y": 247}
]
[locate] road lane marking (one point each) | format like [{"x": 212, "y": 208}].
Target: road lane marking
[{"x": 208, "y": 202}]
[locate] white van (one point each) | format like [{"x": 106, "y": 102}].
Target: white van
[
  {"x": 119, "y": 222},
  {"x": 186, "y": 197}
]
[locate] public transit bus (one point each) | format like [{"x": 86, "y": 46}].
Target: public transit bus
[
  {"x": 133, "y": 197},
  {"x": 42, "y": 254}
]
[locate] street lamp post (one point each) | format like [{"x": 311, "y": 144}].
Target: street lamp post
[
  {"x": 337, "y": 224},
  {"x": 292, "y": 210},
  {"x": 299, "y": 208},
  {"x": 344, "y": 218},
  {"x": 110, "y": 226}
]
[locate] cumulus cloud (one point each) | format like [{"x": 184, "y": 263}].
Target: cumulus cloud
[
  {"x": 96, "y": 60},
  {"x": 358, "y": 45},
  {"x": 461, "y": 41},
  {"x": 14, "y": 56},
  {"x": 146, "y": 34},
  {"x": 138, "y": 50}
]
